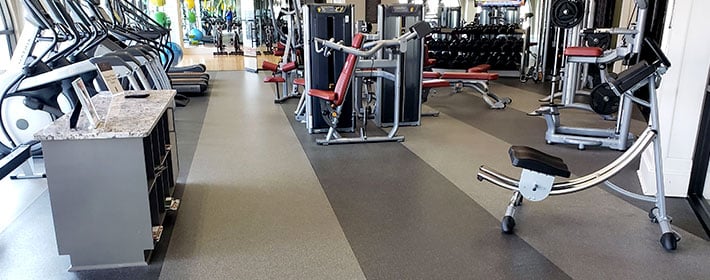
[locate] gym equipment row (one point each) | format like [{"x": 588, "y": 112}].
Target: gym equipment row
[
  {"x": 539, "y": 170},
  {"x": 63, "y": 42},
  {"x": 495, "y": 38},
  {"x": 458, "y": 52}
]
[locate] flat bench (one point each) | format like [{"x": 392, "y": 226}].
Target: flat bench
[{"x": 475, "y": 77}]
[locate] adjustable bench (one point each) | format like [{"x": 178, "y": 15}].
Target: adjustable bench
[
  {"x": 281, "y": 74},
  {"x": 475, "y": 77}
]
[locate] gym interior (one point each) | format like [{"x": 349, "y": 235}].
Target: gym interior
[{"x": 354, "y": 139}]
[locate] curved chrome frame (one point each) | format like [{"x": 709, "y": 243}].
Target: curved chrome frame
[{"x": 650, "y": 135}]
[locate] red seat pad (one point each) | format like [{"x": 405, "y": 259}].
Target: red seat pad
[
  {"x": 280, "y": 46},
  {"x": 327, "y": 95},
  {"x": 479, "y": 68},
  {"x": 274, "y": 79},
  {"x": 279, "y": 53},
  {"x": 431, "y": 75},
  {"x": 288, "y": 66},
  {"x": 470, "y": 76},
  {"x": 273, "y": 67},
  {"x": 435, "y": 83},
  {"x": 584, "y": 51},
  {"x": 299, "y": 81}
]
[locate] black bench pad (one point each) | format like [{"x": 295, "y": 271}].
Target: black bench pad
[
  {"x": 628, "y": 78},
  {"x": 531, "y": 159}
]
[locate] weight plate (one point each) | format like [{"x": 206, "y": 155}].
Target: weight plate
[
  {"x": 599, "y": 40},
  {"x": 603, "y": 100},
  {"x": 567, "y": 13}
]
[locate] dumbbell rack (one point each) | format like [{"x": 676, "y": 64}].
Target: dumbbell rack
[{"x": 501, "y": 46}]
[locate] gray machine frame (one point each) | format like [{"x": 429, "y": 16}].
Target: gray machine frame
[{"x": 391, "y": 20}]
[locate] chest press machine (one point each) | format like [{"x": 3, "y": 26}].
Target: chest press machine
[
  {"x": 539, "y": 169},
  {"x": 333, "y": 101}
]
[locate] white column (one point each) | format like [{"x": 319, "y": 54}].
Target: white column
[
  {"x": 680, "y": 96},
  {"x": 172, "y": 9}
]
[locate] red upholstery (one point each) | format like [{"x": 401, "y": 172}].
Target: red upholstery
[
  {"x": 431, "y": 75},
  {"x": 274, "y": 79},
  {"x": 328, "y": 95},
  {"x": 428, "y": 61},
  {"x": 479, "y": 68},
  {"x": 337, "y": 96},
  {"x": 435, "y": 84},
  {"x": 470, "y": 76},
  {"x": 280, "y": 46},
  {"x": 279, "y": 53},
  {"x": 299, "y": 81},
  {"x": 584, "y": 51},
  {"x": 273, "y": 67},
  {"x": 288, "y": 66}
]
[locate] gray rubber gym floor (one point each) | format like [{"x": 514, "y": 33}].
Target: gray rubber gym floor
[{"x": 262, "y": 201}]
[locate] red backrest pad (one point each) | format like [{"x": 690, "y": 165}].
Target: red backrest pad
[
  {"x": 273, "y": 67},
  {"x": 288, "y": 66},
  {"x": 341, "y": 86}
]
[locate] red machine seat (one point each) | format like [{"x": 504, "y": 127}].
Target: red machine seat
[
  {"x": 273, "y": 67},
  {"x": 337, "y": 96},
  {"x": 274, "y": 79},
  {"x": 431, "y": 75},
  {"x": 288, "y": 66},
  {"x": 327, "y": 95},
  {"x": 435, "y": 84},
  {"x": 299, "y": 82},
  {"x": 584, "y": 51},
  {"x": 470, "y": 76},
  {"x": 279, "y": 53},
  {"x": 479, "y": 68}
]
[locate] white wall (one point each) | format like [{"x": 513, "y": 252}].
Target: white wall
[
  {"x": 173, "y": 10},
  {"x": 680, "y": 95}
]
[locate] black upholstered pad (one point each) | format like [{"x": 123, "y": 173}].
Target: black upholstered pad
[
  {"x": 529, "y": 158},
  {"x": 628, "y": 78}
]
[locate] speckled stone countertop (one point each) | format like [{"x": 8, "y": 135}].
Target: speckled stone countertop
[{"x": 122, "y": 117}]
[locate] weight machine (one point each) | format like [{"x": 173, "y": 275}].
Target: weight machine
[
  {"x": 321, "y": 72},
  {"x": 391, "y": 20},
  {"x": 334, "y": 98},
  {"x": 537, "y": 179},
  {"x": 603, "y": 99}
]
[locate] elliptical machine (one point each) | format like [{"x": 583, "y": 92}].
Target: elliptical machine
[{"x": 219, "y": 39}]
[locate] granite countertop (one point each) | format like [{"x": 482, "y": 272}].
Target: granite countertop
[{"x": 122, "y": 117}]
